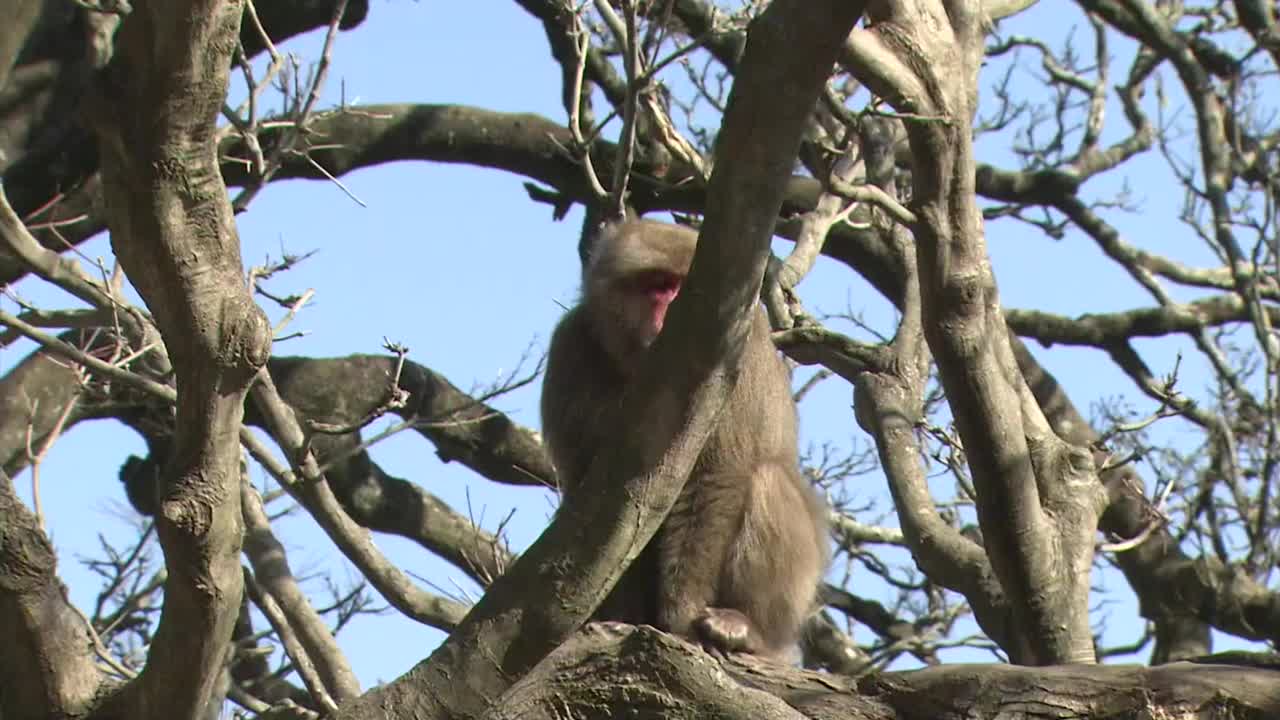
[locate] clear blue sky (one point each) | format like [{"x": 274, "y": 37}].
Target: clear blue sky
[{"x": 459, "y": 265}]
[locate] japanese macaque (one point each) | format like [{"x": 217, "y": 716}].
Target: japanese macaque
[{"x": 736, "y": 563}]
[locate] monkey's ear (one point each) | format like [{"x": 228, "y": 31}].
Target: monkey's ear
[{"x": 594, "y": 221}]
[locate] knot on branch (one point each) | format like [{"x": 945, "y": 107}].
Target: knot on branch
[
  {"x": 1066, "y": 472},
  {"x": 960, "y": 310},
  {"x": 246, "y": 339},
  {"x": 201, "y": 503}
]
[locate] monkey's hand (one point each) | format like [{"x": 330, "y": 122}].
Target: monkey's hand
[{"x": 726, "y": 630}]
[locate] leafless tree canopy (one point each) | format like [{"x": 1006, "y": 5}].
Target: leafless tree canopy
[{"x": 885, "y": 139}]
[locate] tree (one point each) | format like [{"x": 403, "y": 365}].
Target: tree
[{"x": 851, "y": 131}]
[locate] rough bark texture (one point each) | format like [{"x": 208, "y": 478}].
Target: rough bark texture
[
  {"x": 173, "y": 231},
  {"x": 46, "y": 658},
  {"x": 1038, "y": 498},
  {"x": 612, "y": 670}
]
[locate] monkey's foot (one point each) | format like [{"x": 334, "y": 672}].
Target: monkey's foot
[{"x": 726, "y": 630}]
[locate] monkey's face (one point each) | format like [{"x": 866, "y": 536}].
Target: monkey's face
[
  {"x": 648, "y": 295},
  {"x": 635, "y": 271}
]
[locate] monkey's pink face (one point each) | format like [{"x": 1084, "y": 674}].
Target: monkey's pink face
[{"x": 656, "y": 289}]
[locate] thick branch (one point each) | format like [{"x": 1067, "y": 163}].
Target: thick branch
[
  {"x": 174, "y": 234},
  {"x": 20, "y": 19},
  {"x": 1037, "y": 498},
  {"x": 645, "y": 670},
  {"x": 45, "y": 655}
]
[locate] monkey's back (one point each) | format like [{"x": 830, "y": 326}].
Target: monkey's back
[
  {"x": 580, "y": 390},
  {"x": 759, "y": 418},
  {"x": 780, "y": 550}
]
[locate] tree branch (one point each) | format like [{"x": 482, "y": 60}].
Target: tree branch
[{"x": 174, "y": 234}]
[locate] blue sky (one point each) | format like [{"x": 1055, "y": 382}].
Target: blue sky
[{"x": 456, "y": 263}]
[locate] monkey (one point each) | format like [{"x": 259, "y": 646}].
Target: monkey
[{"x": 736, "y": 564}]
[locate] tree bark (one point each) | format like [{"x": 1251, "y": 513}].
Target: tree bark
[
  {"x": 614, "y": 670},
  {"x": 172, "y": 229}
]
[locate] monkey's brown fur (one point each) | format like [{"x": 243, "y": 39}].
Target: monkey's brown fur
[{"x": 737, "y": 562}]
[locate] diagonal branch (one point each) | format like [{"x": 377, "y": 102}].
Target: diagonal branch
[{"x": 788, "y": 56}]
